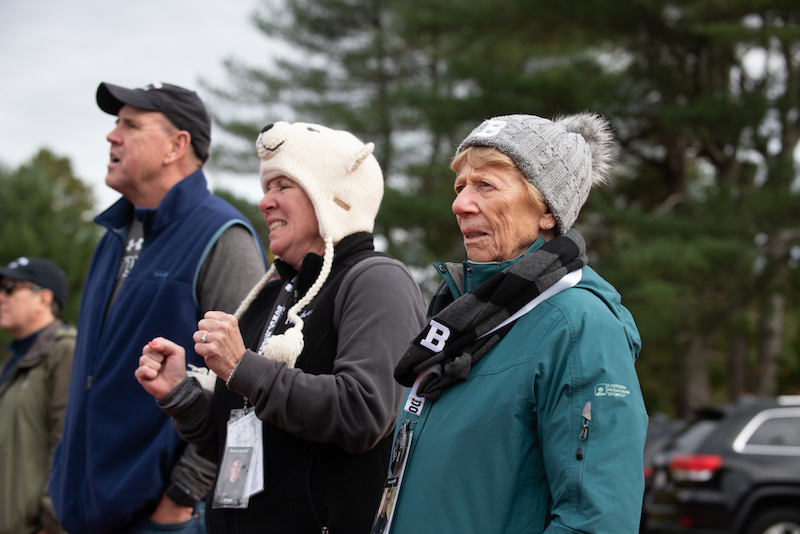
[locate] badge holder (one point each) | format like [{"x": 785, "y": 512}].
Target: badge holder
[
  {"x": 394, "y": 478},
  {"x": 241, "y": 473},
  {"x": 397, "y": 464}
]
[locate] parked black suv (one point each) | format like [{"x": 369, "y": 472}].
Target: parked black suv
[{"x": 732, "y": 470}]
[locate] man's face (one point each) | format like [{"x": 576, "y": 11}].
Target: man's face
[
  {"x": 139, "y": 143},
  {"x": 236, "y": 466},
  {"x": 19, "y": 306}
]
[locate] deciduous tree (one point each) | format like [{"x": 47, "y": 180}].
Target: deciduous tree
[{"x": 45, "y": 210}]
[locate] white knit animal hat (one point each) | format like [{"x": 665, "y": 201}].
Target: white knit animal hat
[
  {"x": 561, "y": 158},
  {"x": 345, "y": 184}
]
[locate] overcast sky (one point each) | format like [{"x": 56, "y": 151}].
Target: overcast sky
[{"x": 54, "y": 53}]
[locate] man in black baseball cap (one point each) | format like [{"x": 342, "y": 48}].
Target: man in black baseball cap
[
  {"x": 182, "y": 107},
  {"x": 34, "y": 383},
  {"x": 39, "y": 271},
  {"x": 172, "y": 252}
]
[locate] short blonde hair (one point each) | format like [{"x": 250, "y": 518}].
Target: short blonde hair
[{"x": 479, "y": 157}]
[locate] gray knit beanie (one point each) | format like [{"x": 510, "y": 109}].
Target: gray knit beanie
[{"x": 561, "y": 158}]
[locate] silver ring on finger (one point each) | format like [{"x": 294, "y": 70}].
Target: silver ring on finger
[{"x": 203, "y": 339}]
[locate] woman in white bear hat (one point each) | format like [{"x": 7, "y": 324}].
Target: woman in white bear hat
[{"x": 312, "y": 352}]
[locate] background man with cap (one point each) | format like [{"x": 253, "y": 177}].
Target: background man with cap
[
  {"x": 172, "y": 252},
  {"x": 34, "y": 381}
]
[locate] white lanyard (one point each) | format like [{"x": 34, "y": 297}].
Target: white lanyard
[
  {"x": 566, "y": 281},
  {"x": 415, "y": 403}
]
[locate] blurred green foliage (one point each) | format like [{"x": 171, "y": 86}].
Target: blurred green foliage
[
  {"x": 699, "y": 230},
  {"x": 46, "y": 211}
]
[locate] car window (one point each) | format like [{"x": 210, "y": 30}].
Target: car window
[
  {"x": 690, "y": 439},
  {"x": 781, "y": 431},
  {"x": 775, "y": 431}
]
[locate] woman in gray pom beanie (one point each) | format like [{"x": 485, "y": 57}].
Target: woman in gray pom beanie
[
  {"x": 525, "y": 412},
  {"x": 302, "y": 380}
]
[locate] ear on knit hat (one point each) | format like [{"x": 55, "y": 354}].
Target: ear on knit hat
[
  {"x": 361, "y": 156},
  {"x": 563, "y": 159}
]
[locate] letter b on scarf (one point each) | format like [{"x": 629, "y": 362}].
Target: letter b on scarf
[{"x": 436, "y": 338}]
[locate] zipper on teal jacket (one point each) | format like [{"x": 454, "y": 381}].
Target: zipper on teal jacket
[{"x": 583, "y": 447}]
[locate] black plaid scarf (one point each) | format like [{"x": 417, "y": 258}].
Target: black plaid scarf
[{"x": 451, "y": 356}]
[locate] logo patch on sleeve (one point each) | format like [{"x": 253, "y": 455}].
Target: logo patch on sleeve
[{"x": 611, "y": 390}]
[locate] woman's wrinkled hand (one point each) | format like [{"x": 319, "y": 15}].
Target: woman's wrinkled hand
[{"x": 219, "y": 341}]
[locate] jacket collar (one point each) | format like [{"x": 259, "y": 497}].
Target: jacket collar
[
  {"x": 176, "y": 204},
  {"x": 38, "y": 342},
  {"x": 312, "y": 263},
  {"x": 467, "y": 275}
]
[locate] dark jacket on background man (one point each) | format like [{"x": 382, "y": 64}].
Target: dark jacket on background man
[{"x": 32, "y": 404}]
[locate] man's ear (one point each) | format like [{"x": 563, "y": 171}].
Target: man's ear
[
  {"x": 46, "y": 296},
  {"x": 179, "y": 143}
]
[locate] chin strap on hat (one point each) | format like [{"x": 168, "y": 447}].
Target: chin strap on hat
[{"x": 287, "y": 347}]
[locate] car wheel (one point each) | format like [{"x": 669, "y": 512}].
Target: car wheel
[{"x": 776, "y": 521}]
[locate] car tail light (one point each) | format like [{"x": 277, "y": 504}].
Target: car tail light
[{"x": 694, "y": 467}]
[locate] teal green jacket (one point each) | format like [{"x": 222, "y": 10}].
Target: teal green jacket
[{"x": 499, "y": 453}]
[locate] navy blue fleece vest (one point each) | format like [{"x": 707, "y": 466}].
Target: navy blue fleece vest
[{"x": 118, "y": 446}]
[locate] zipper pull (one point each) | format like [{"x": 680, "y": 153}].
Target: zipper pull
[
  {"x": 582, "y": 437},
  {"x": 587, "y": 417}
]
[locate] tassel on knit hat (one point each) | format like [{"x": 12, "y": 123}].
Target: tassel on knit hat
[
  {"x": 561, "y": 158},
  {"x": 345, "y": 184}
]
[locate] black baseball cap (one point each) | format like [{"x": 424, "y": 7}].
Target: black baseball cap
[
  {"x": 40, "y": 271},
  {"x": 181, "y": 106}
]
